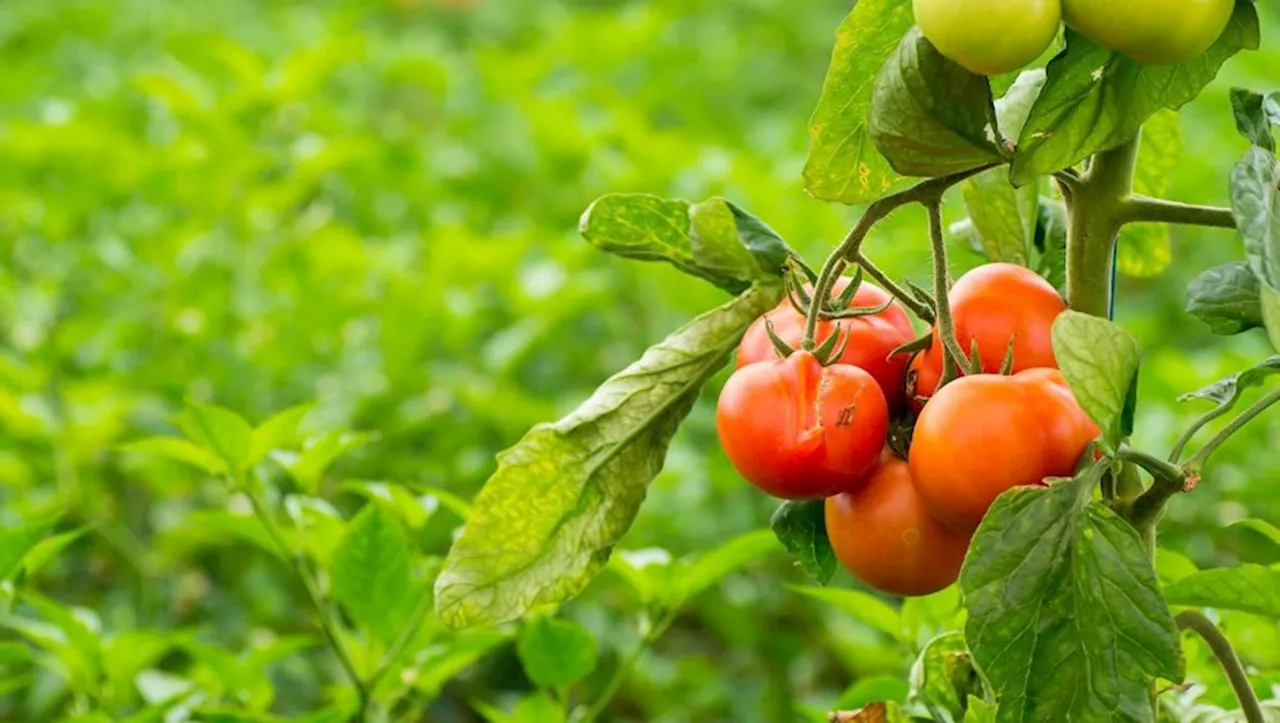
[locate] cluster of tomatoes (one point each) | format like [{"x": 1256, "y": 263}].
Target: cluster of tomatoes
[
  {"x": 993, "y": 38},
  {"x": 800, "y": 429}
]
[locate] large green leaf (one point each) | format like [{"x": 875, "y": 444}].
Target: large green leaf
[
  {"x": 713, "y": 240},
  {"x": 371, "y": 572},
  {"x": 1248, "y": 588},
  {"x": 843, "y": 164},
  {"x": 556, "y": 652},
  {"x": 1144, "y": 248},
  {"x": 1096, "y": 99},
  {"x": 1226, "y": 298},
  {"x": 1004, "y": 217},
  {"x": 17, "y": 541},
  {"x": 1100, "y": 362},
  {"x": 801, "y": 527},
  {"x": 930, "y": 116},
  {"x": 546, "y": 521},
  {"x": 1066, "y": 619}
]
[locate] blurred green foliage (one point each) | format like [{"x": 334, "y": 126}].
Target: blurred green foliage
[{"x": 373, "y": 204}]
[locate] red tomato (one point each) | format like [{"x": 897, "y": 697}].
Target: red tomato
[
  {"x": 871, "y": 338},
  {"x": 884, "y": 535},
  {"x": 984, "y": 434},
  {"x": 799, "y": 430},
  {"x": 993, "y": 304}
]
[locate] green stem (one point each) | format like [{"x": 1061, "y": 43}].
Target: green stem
[
  {"x": 1197, "y": 461},
  {"x": 402, "y": 640},
  {"x": 847, "y": 251},
  {"x": 1179, "y": 446},
  {"x": 1096, "y": 206},
  {"x": 1221, "y": 647},
  {"x": 313, "y": 593},
  {"x": 951, "y": 352},
  {"x": 1168, "y": 480},
  {"x": 1142, "y": 209},
  {"x": 904, "y": 297},
  {"x": 623, "y": 670}
]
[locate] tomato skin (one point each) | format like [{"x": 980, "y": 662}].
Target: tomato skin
[
  {"x": 871, "y": 338},
  {"x": 885, "y": 536},
  {"x": 984, "y": 434},
  {"x": 1154, "y": 32},
  {"x": 798, "y": 430},
  {"x": 992, "y": 304},
  {"x": 989, "y": 37}
]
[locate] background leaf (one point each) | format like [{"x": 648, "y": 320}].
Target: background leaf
[
  {"x": 710, "y": 567},
  {"x": 857, "y": 605},
  {"x": 371, "y": 572},
  {"x": 220, "y": 430},
  {"x": 1248, "y": 588},
  {"x": 556, "y": 652},
  {"x": 1144, "y": 248},
  {"x": 1004, "y": 217},
  {"x": 17, "y": 541},
  {"x": 1226, "y": 298}
]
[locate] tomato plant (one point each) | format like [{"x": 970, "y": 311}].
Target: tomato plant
[{"x": 799, "y": 430}]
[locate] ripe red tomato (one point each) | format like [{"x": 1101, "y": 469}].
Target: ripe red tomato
[
  {"x": 884, "y": 535},
  {"x": 984, "y": 434},
  {"x": 799, "y": 430},
  {"x": 871, "y": 338},
  {"x": 993, "y": 304}
]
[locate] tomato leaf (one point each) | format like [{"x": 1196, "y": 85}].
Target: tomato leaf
[
  {"x": 1144, "y": 248},
  {"x": 1014, "y": 107},
  {"x": 1270, "y": 300},
  {"x": 1099, "y": 360},
  {"x": 545, "y": 522},
  {"x": 1051, "y": 243},
  {"x": 843, "y": 164},
  {"x": 801, "y": 527},
  {"x": 943, "y": 676},
  {"x": 1066, "y": 619},
  {"x": 1226, "y": 392},
  {"x": 371, "y": 571},
  {"x": 1227, "y": 298},
  {"x": 1096, "y": 99},
  {"x": 556, "y": 652},
  {"x": 1004, "y": 217},
  {"x": 1248, "y": 588},
  {"x": 705, "y": 570},
  {"x": 857, "y": 605},
  {"x": 1255, "y": 115},
  {"x": 713, "y": 240},
  {"x": 1172, "y": 565},
  {"x": 930, "y": 116},
  {"x": 1255, "y": 200}
]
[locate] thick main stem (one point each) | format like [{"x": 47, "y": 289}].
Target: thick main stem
[
  {"x": 1221, "y": 647},
  {"x": 1097, "y": 209}
]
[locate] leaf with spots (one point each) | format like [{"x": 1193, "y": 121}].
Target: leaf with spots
[{"x": 547, "y": 520}]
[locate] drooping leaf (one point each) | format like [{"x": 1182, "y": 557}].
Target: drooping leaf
[
  {"x": 17, "y": 541},
  {"x": 943, "y": 675},
  {"x": 857, "y": 605},
  {"x": 1096, "y": 99},
  {"x": 1247, "y": 588},
  {"x": 545, "y": 523},
  {"x": 1226, "y": 298},
  {"x": 1099, "y": 360},
  {"x": 1226, "y": 392},
  {"x": 1255, "y": 115},
  {"x": 707, "y": 569},
  {"x": 801, "y": 527},
  {"x": 179, "y": 450},
  {"x": 1066, "y": 619},
  {"x": 1255, "y": 200},
  {"x": 1004, "y": 217},
  {"x": 713, "y": 240},
  {"x": 1144, "y": 248},
  {"x": 556, "y": 652},
  {"x": 929, "y": 116},
  {"x": 843, "y": 164},
  {"x": 371, "y": 572},
  {"x": 220, "y": 430}
]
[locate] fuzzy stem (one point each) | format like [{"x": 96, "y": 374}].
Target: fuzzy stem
[
  {"x": 1096, "y": 205},
  {"x": 951, "y": 352},
  {"x": 1142, "y": 209},
  {"x": 1197, "y": 461},
  {"x": 904, "y": 297}
]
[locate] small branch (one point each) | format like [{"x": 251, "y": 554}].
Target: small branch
[
  {"x": 623, "y": 670},
  {"x": 927, "y": 192},
  {"x": 1159, "y": 469},
  {"x": 1143, "y": 209},
  {"x": 1196, "y": 621},
  {"x": 402, "y": 640},
  {"x": 326, "y": 624},
  {"x": 1169, "y": 480},
  {"x": 1197, "y": 461},
  {"x": 951, "y": 353},
  {"x": 904, "y": 297},
  {"x": 1176, "y": 453}
]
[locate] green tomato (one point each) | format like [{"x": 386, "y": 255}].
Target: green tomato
[
  {"x": 990, "y": 37},
  {"x": 1152, "y": 32}
]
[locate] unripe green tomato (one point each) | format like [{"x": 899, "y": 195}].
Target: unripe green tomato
[
  {"x": 990, "y": 37},
  {"x": 1152, "y": 32}
]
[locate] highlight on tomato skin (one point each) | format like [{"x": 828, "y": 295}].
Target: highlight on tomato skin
[
  {"x": 799, "y": 430},
  {"x": 871, "y": 338},
  {"x": 984, "y": 434},
  {"x": 885, "y": 536},
  {"x": 1003, "y": 308}
]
